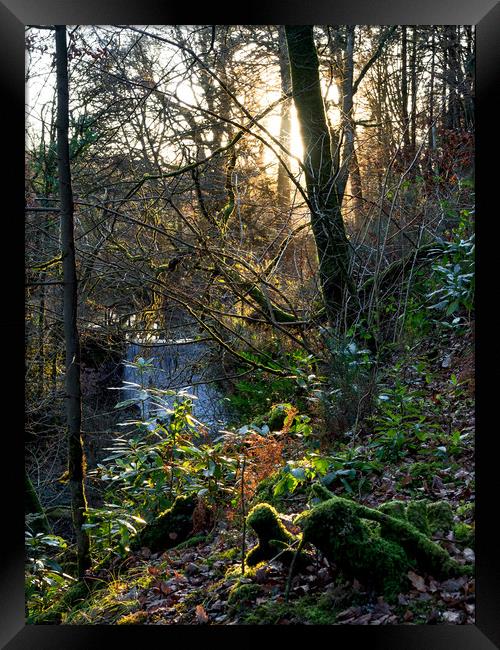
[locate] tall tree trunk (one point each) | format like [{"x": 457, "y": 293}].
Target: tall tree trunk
[
  {"x": 431, "y": 126},
  {"x": 404, "y": 92},
  {"x": 326, "y": 218},
  {"x": 76, "y": 459},
  {"x": 413, "y": 113},
  {"x": 357, "y": 191},
  {"x": 285, "y": 125},
  {"x": 350, "y": 165}
]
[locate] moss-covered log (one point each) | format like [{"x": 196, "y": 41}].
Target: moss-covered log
[
  {"x": 427, "y": 555},
  {"x": 335, "y": 527}
]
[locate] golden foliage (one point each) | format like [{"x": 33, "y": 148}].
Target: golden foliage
[{"x": 264, "y": 455}]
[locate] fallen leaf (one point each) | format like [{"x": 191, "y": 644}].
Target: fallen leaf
[
  {"x": 164, "y": 588},
  {"x": 201, "y": 615},
  {"x": 417, "y": 581}
]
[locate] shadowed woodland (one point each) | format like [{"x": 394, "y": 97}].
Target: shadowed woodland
[{"x": 249, "y": 325}]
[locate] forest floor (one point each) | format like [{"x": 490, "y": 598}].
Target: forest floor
[{"x": 192, "y": 584}]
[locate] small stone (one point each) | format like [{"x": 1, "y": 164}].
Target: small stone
[
  {"x": 191, "y": 569},
  {"x": 424, "y": 596},
  {"x": 452, "y": 585},
  {"x": 469, "y": 555},
  {"x": 323, "y": 573},
  {"x": 453, "y": 618}
]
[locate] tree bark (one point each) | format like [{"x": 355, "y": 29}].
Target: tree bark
[
  {"x": 285, "y": 125},
  {"x": 413, "y": 119},
  {"x": 76, "y": 458},
  {"x": 404, "y": 92},
  {"x": 326, "y": 218}
]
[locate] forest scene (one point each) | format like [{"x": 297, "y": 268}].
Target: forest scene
[{"x": 249, "y": 336}]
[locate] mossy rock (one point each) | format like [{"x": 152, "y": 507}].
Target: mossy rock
[
  {"x": 170, "y": 528},
  {"x": 440, "y": 516},
  {"x": 272, "y": 534}
]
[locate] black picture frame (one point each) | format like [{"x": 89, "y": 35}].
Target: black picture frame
[{"x": 14, "y": 15}]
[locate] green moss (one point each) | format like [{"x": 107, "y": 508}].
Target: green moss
[
  {"x": 308, "y": 610},
  {"x": 335, "y": 528},
  {"x": 466, "y": 510},
  {"x": 440, "y": 516},
  {"x": 192, "y": 541},
  {"x": 464, "y": 534},
  {"x": 241, "y": 595},
  {"x": 416, "y": 513},
  {"x": 135, "y": 618},
  {"x": 170, "y": 528},
  {"x": 230, "y": 554},
  {"x": 272, "y": 534},
  {"x": 319, "y": 491},
  {"x": 395, "y": 509},
  {"x": 277, "y": 416},
  {"x": 423, "y": 471},
  {"x": 76, "y": 594}
]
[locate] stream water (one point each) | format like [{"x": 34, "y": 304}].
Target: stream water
[{"x": 177, "y": 364}]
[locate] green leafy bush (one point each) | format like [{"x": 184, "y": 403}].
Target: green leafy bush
[
  {"x": 346, "y": 395},
  {"x": 401, "y": 424},
  {"x": 158, "y": 459},
  {"x": 453, "y": 278},
  {"x": 45, "y": 579}
]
